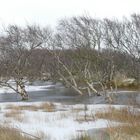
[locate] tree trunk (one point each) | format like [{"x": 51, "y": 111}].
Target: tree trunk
[
  {"x": 23, "y": 93},
  {"x": 21, "y": 90},
  {"x": 70, "y": 84},
  {"x": 93, "y": 89}
]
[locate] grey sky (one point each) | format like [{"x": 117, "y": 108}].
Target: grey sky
[{"x": 49, "y": 11}]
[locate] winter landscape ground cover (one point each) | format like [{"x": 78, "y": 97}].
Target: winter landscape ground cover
[{"x": 60, "y": 121}]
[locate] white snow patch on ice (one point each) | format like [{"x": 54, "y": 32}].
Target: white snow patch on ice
[{"x": 29, "y": 88}]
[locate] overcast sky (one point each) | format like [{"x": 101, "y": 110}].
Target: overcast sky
[{"x": 44, "y": 12}]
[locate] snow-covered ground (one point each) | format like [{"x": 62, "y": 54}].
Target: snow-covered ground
[{"x": 65, "y": 123}]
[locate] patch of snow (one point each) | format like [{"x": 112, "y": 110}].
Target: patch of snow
[
  {"x": 128, "y": 80},
  {"x": 58, "y": 125},
  {"x": 29, "y": 88}
]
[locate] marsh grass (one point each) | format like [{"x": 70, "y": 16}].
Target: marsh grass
[
  {"x": 82, "y": 136},
  {"x": 15, "y": 114},
  {"x": 125, "y": 115},
  {"x": 11, "y": 134},
  {"x": 129, "y": 129},
  {"x": 47, "y": 107},
  {"x": 23, "y": 107},
  {"x": 41, "y": 135},
  {"x": 124, "y": 132},
  {"x": 84, "y": 118}
]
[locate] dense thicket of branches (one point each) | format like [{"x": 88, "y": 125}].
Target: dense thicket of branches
[{"x": 82, "y": 52}]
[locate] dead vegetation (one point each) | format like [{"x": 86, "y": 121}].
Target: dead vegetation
[
  {"x": 129, "y": 132},
  {"x": 15, "y": 114},
  {"x": 12, "y": 134},
  {"x": 47, "y": 107},
  {"x": 124, "y": 115},
  {"x": 130, "y": 123},
  {"x": 82, "y": 114},
  {"x": 85, "y": 118},
  {"x": 82, "y": 137}
]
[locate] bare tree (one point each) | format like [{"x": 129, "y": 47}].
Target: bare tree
[
  {"x": 125, "y": 37},
  {"x": 83, "y": 53},
  {"x": 16, "y": 47},
  {"x": 80, "y": 36}
]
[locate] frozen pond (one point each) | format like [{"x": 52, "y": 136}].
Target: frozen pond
[{"x": 57, "y": 93}]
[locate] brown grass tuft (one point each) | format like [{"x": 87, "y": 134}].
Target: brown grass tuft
[
  {"x": 11, "y": 134},
  {"x": 47, "y": 107},
  {"x": 121, "y": 115},
  {"x": 15, "y": 114},
  {"x": 124, "y": 132},
  {"x": 130, "y": 119}
]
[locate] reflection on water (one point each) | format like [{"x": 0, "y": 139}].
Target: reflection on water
[{"x": 63, "y": 95}]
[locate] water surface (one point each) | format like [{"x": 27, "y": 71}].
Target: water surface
[{"x": 63, "y": 95}]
